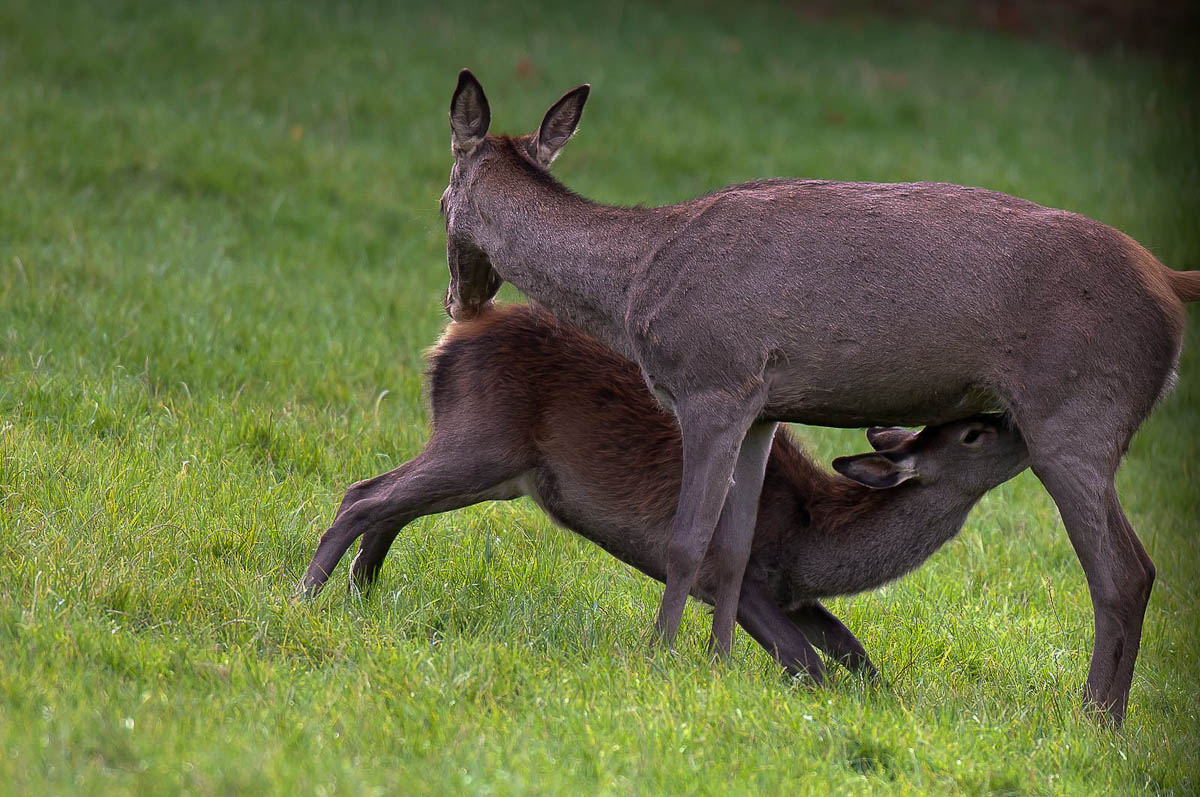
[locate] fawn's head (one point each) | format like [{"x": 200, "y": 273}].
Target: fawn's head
[
  {"x": 473, "y": 280},
  {"x": 967, "y": 457}
]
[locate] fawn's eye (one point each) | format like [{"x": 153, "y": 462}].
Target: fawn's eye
[{"x": 972, "y": 437}]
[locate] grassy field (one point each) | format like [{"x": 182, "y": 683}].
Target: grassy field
[{"x": 220, "y": 262}]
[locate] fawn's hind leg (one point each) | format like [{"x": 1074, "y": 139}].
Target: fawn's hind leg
[{"x": 379, "y": 508}]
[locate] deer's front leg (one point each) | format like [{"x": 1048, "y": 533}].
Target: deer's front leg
[
  {"x": 730, "y": 547},
  {"x": 713, "y": 429}
]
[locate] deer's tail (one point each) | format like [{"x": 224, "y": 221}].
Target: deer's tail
[{"x": 1186, "y": 285}]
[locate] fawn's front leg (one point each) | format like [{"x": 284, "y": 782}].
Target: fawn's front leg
[
  {"x": 764, "y": 620},
  {"x": 828, "y": 633}
]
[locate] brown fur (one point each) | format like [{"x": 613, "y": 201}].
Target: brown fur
[
  {"x": 562, "y": 379},
  {"x": 1186, "y": 285},
  {"x": 525, "y": 405}
]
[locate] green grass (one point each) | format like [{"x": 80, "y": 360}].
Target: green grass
[{"x": 220, "y": 261}]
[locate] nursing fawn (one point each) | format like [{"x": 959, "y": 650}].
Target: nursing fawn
[{"x": 526, "y": 406}]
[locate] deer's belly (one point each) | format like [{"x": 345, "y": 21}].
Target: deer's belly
[{"x": 883, "y": 396}]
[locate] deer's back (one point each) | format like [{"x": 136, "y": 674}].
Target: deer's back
[{"x": 901, "y": 303}]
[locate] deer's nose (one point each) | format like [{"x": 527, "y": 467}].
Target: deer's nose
[{"x": 459, "y": 311}]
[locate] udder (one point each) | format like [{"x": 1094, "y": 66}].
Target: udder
[{"x": 888, "y": 397}]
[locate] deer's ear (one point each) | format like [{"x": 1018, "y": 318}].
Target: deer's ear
[
  {"x": 875, "y": 470},
  {"x": 469, "y": 115},
  {"x": 881, "y": 437},
  {"x": 559, "y": 124}
]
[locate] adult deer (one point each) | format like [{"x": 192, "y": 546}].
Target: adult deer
[
  {"x": 839, "y": 304},
  {"x": 523, "y": 405}
]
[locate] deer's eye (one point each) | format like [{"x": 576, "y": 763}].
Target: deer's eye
[{"x": 972, "y": 437}]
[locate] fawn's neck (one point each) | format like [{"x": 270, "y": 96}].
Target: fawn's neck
[{"x": 867, "y": 540}]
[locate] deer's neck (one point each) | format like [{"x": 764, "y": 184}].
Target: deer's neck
[{"x": 574, "y": 257}]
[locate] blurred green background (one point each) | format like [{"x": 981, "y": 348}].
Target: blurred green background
[{"x": 221, "y": 261}]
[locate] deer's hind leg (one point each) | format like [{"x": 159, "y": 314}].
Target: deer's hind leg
[
  {"x": 1076, "y": 461},
  {"x": 441, "y": 478},
  {"x": 1123, "y": 676}
]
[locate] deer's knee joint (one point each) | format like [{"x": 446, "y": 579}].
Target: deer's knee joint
[
  {"x": 1150, "y": 576},
  {"x": 1126, "y": 600},
  {"x": 1140, "y": 580},
  {"x": 684, "y": 554}
]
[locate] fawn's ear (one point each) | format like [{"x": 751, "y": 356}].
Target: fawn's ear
[
  {"x": 881, "y": 437},
  {"x": 559, "y": 124},
  {"x": 875, "y": 470},
  {"x": 469, "y": 115}
]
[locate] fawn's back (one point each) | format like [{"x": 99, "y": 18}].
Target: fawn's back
[{"x": 605, "y": 457}]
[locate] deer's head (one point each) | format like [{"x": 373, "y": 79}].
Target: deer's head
[{"x": 473, "y": 280}]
